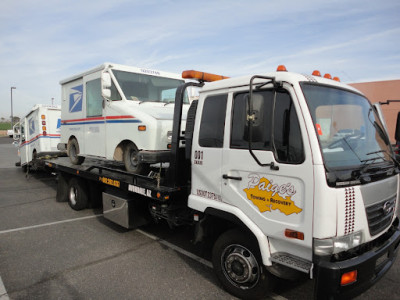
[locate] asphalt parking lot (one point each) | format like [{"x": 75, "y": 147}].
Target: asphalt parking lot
[{"x": 49, "y": 251}]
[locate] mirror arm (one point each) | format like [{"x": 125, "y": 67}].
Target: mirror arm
[{"x": 251, "y": 117}]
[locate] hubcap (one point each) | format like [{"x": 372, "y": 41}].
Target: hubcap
[
  {"x": 240, "y": 266},
  {"x": 72, "y": 195},
  {"x": 133, "y": 158}
]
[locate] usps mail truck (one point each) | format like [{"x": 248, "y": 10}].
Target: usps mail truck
[
  {"x": 39, "y": 133},
  {"x": 119, "y": 113}
]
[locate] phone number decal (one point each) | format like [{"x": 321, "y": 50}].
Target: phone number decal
[{"x": 110, "y": 181}]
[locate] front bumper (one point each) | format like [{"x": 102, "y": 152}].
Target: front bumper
[{"x": 370, "y": 266}]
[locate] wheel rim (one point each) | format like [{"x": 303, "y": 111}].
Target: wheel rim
[
  {"x": 133, "y": 158},
  {"x": 240, "y": 266},
  {"x": 73, "y": 193}
]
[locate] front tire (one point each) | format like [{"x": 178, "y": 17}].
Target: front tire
[
  {"x": 131, "y": 161},
  {"x": 237, "y": 263},
  {"x": 73, "y": 151}
]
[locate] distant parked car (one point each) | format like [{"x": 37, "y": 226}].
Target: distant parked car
[{"x": 10, "y": 133}]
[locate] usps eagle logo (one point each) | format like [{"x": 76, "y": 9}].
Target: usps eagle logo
[
  {"x": 75, "y": 99},
  {"x": 31, "y": 126}
]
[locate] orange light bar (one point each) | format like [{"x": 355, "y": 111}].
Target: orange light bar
[
  {"x": 328, "y": 76},
  {"x": 202, "y": 76},
  {"x": 348, "y": 277},
  {"x": 44, "y": 128},
  {"x": 43, "y": 117},
  {"x": 336, "y": 79},
  {"x": 293, "y": 234},
  {"x": 316, "y": 73},
  {"x": 142, "y": 127},
  {"x": 281, "y": 68}
]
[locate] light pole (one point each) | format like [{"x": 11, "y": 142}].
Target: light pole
[{"x": 12, "y": 117}]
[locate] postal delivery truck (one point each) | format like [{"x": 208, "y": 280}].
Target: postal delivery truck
[
  {"x": 119, "y": 113},
  {"x": 39, "y": 134}
]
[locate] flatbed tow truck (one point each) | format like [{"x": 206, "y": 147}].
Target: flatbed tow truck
[{"x": 282, "y": 173}]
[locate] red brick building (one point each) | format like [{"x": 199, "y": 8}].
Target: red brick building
[{"x": 379, "y": 91}]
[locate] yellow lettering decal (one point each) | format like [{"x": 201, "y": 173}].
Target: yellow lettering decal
[
  {"x": 110, "y": 181},
  {"x": 268, "y": 196}
]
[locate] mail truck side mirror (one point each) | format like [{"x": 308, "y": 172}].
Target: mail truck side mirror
[{"x": 106, "y": 85}]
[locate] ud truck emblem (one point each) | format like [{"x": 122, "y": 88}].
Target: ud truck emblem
[
  {"x": 75, "y": 99},
  {"x": 387, "y": 208}
]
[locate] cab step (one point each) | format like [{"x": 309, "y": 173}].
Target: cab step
[{"x": 291, "y": 261}]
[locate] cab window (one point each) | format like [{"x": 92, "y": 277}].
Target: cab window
[
  {"x": 275, "y": 126},
  {"x": 213, "y": 121},
  {"x": 94, "y": 100}
]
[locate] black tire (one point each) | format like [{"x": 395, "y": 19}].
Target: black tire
[
  {"x": 237, "y": 263},
  {"x": 131, "y": 162},
  {"x": 73, "y": 151},
  {"x": 77, "y": 194}
]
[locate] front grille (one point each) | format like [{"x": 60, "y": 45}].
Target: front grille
[{"x": 379, "y": 215}]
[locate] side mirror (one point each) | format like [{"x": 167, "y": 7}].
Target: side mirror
[
  {"x": 106, "y": 85},
  {"x": 397, "y": 132}
]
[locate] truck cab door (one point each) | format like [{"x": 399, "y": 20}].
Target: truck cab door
[
  {"x": 95, "y": 143},
  {"x": 277, "y": 195},
  {"x": 207, "y": 147}
]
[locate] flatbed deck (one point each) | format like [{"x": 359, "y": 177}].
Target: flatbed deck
[{"x": 113, "y": 174}]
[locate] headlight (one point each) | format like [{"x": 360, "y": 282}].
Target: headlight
[
  {"x": 169, "y": 136},
  {"x": 337, "y": 244}
]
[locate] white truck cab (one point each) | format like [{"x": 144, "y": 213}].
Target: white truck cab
[
  {"x": 305, "y": 164},
  {"x": 118, "y": 112}
]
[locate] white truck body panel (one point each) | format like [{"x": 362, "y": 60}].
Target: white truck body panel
[
  {"x": 99, "y": 131},
  {"x": 39, "y": 132}
]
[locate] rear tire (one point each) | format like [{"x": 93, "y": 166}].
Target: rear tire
[
  {"x": 73, "y": 152},
  {"x": 131, "y": 161},
  {"x": 77, "y": 194},
  {"x": 237, "y": 263}
]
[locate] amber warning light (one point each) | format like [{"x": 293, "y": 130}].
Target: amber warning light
[{"x": 202, "y": 76}]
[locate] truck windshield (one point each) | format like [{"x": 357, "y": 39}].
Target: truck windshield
[
  {"x": 349, "y": 131},
  {"x": 143, "y": 88}
]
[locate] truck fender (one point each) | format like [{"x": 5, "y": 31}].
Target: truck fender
[{"x": 235, "y": 215}]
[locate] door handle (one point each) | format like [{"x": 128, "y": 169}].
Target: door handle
[{"x": 225, "y": 176}]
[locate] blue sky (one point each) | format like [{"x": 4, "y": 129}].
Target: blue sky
[{"x": 43, "y": 42}]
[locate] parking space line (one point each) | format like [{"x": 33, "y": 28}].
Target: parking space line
[
  {"x": 195, "y": 257},
  {"x": 178, "y": 249},
  {"x": 49, "y": 224},
  {"x": 3, "y": 291}
]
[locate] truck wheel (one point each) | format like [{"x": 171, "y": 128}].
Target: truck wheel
[
  {"x": 131, "y": 160},
  {"x": 77, "y": 194},
  {"x": 73, "y": 151},
  {"x": 237, "y": 263}
]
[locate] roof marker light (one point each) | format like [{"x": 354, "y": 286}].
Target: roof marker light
[
  {"x": 281, "y": 68},
  {"x": 328, "y": 76},
  {"x": 316, "y": 73},
  {"x": 202, "y": 76},
  {"x": 336, "y": 79}
]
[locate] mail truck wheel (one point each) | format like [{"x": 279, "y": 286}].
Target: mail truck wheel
[
  {"x": 237, "y": 263},
  {"x": 73, "y": 152},
  {"x": 77, "y": 194},
  {"x": 131, "y": 161}
]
